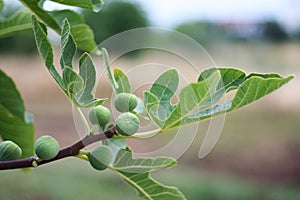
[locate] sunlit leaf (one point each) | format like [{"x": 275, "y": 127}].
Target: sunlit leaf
[
  {"x": 191, "y": 97},
  {"x": 253, "y": 88},
  {"x": 199, "y": 101},
  {"x": 94, "y": 5},
  {"x": 257, "y": 86}
]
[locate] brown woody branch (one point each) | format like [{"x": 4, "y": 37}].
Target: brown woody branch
[{"x": 72, "y": 150}]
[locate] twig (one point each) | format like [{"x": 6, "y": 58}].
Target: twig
[{"x": 72, "y": 150}]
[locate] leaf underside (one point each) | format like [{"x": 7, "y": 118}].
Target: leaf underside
[
  {"x": 78, "y": 87},
  {"x": 124, "y": 162},
  {"x": 150, "y": 189}
]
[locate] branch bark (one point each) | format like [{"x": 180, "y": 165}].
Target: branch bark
[{"x": 72, "y": 150}]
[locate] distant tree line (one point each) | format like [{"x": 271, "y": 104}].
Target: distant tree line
[{"x": 118, "y": 16}]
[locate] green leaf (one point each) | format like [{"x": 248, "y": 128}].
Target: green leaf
[
  {"x": 191, "y": 97},
  {"x": 73, "y": 17},
  {"x": 81, "y": 32},
  {"x": 14, "y": 123},
  {"x": 17, "y": 22},
  {"x": 10, "y": 98},
  {"x": 122, "y": 81},
  {"x": 164, "y": 88},
  {"x": 88, "y": 74},
  {"x": 94, "y": 5},
  {"x": 67, "y": 46},
  {"x": 197, "y": 100},
  {"x": 204, "y": 114},
  {"x": 253, "y": 88},
  {"x": 257, "y": 86},
  {"x": 35, "y": 7},
  {"x": 112, "y": 79},
  {"x": 84, "y": 38},
  {"x": 124, "y": 162},
  {"x": 150, "y": 189},
  {"x": 73, "y": 81},
  {"x": 45, "y": 50},
  {"x": 151, "y": 104},
  {"x": 229, "y": 79},
  {"x": 115, "y": 145}
]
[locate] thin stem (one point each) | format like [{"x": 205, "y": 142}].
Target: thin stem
[
  {"x": 140, "y": 135},
  {"x": 72, "y": 150},
  {"x": 84, "y": 121}
]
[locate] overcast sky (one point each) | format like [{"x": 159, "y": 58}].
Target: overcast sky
[{"x": 171, "y": 12}]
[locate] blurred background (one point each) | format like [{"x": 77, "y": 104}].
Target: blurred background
[{"x": 258, "y": 153}]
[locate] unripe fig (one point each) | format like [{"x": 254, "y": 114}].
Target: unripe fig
[
  {"x": 9, "y": 151},
  {"x": 101, "y": 157},
  {"x": 127, "y": 124},
  {"x": 125, "y": 102},
  {"x": 99, "y": 115},
  {"x": 46, "y": 147}
]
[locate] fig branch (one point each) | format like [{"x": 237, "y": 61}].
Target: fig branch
[{"x": 72, "y": 150}]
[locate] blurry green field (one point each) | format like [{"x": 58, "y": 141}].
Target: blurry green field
[
  {"x": 72, "y": 179},
  {"x": 210, "y": 179}
]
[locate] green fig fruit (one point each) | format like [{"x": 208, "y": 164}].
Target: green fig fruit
[
  {"x": 9, "y": 151},
  {"x": 46, "y": 147},
  {"x": 99, "y": 115},
  {"x": 101, "y": 157},
  {"x": 127, "y": 124},
  {"x": 125, "y": 102}
]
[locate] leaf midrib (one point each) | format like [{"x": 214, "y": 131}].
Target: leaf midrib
[{"x": 133, "y": 183}]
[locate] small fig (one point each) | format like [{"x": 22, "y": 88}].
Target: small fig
[
  {"x": 46, "y": 147},
  {"x": 127, "y": 124},
  {"x": 99, "y": 115},
  {"x": 125, "y": 102},
  {"x": 101, "y": 157},
  {"x": 9, "y": 151}
]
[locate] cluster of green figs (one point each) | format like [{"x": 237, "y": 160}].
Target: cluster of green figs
[
  {"x": 127, "y": 124},
  {"x": 46, "y": 147}
]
